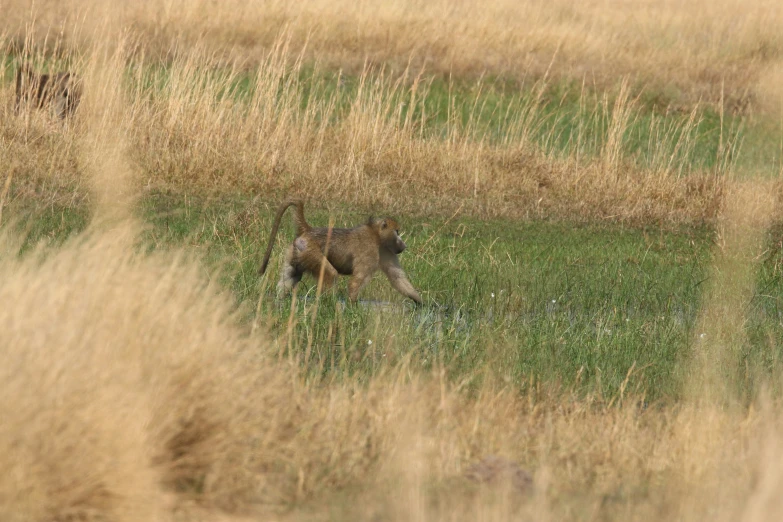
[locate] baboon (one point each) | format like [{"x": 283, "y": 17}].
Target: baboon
[
  {"x": 59, "y": 91},
  {"x": 357, "y": 252}
]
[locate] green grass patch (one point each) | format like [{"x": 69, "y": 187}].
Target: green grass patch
[
  {"x": 44, "y": 225},
  {"x": 594, "y": 308},
  {"x": 579, "y": 305},
  {"x": 759, "y": 361}
]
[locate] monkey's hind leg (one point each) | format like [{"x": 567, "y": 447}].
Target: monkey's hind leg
[
  {"x": 313, "y": 260},
  {"x": 291, "y": 273}
]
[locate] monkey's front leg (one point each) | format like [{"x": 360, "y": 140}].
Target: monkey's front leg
[{"x": 399, "y": 281}]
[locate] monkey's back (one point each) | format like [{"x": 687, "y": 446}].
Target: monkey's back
[{"x": 339, "y": 255}]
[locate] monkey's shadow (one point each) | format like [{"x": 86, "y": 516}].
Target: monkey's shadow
[{"x": 364, "y": 303}]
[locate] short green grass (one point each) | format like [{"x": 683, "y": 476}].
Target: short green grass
[
  {"x": 584, "y": 306},
  {"x": 48, "y": 225},
  {"x": 592, "y": 308},
  {"x": 760, "y": 360}
]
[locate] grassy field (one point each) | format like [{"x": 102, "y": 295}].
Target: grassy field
[
  {"x": 592, "y": 215},
  {"x": 543, "y": 300},
  {"x": 595, "y": 308},
  {"x": 587, "y": 323}
]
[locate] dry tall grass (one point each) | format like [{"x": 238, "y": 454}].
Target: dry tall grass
[
  {"x": 190, "y": 133},
  {"x": 742, "y": 228},
  {"x": 130, "y": 393},
  {"x": 683, "y": 51}
]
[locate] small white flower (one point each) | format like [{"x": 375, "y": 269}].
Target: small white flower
[
  {"x": 384, "y": 355},
  {"x": 554, "y": 301},
  {"x": 492, "y": 295},
  {"x": 702, "y": 335},
  {"x": 369, "y": 342}
]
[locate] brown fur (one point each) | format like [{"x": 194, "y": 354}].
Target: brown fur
[
  {"x": 358, "y": 252},
  {"x": 61, "y": 92}
]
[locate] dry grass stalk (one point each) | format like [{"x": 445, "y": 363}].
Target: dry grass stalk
[
  {"x": 684, "y": 51},
  {"x": 194, "y": 135}
]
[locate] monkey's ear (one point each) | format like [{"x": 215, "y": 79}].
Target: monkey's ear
[{"x": 384, "y": 224}]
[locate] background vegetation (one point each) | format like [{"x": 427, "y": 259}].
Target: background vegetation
[{"x": 589, "y": 193}]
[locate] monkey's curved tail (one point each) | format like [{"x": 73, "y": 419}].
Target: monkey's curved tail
[{"x": 301, "y": 227}]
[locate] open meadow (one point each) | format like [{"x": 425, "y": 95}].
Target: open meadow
[{"x": 590, "y": 194}]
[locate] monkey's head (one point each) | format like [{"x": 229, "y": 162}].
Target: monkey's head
[{"x": 389, "y": 232}]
